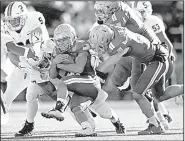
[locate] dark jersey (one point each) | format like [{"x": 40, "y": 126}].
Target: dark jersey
[
  {"x": 139, "y": 47},
  {"x": 126, "y": 17},
  {"x": 80, "y": 48}
]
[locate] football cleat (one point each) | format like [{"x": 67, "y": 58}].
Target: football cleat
[
  {"x": 93, "y": 114},
  {"x": 56, "y": 114},
  {"x": 26, "y": 130},
  {"x": 152, "y": 129},
  {"x": 168, "y": 117},
  {"x": 120, "y": 129},
  {"x": 86, "y": 132}
]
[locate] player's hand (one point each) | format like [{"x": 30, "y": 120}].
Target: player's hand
[
  {"x": 60, "y": 58},
  {"x": 48, "y": 46},
  {"x": 85, "y": 105},
  {"x": 95, "y": 61}
]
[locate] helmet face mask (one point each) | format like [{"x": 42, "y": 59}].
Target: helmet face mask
[
  {"x": 16, "y": 23},
  {"x": 15, "y": 15},
  {"x": 104, "y": 9},
  {"x": 65, "y": 38},
  {"x": 100, "y": 37},
  {"x": 64, "y": 44}
]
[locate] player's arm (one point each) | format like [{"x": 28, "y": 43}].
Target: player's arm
[
  {"x": 163, "y": 38},
  {"x": 18, "y": 50},
  {"x": 53, "y": 71},
  {"x": 78, "y": 66},
  {"x": 14, "y": 59},
  {"x": 144, "y": 30}
]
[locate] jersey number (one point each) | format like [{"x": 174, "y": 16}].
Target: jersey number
[
  {"x": 156, "y": 27},
  {"x": 40, "y": 19},
  {"x": 21, "y": 8},
  {"x": 145, "y": 5}
]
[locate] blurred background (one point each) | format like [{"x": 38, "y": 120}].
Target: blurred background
[{"x": 80, "y": 14}]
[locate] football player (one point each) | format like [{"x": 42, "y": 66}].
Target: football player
[
  {"x": 120, "y": 41},
  {"x": 28, "y": 30},
  {"x": 119, "y": 13},
  {"x": 145, "y": 10},
  {"x": 82, "y": 81}
]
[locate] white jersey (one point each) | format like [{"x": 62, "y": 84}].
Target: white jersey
[
  {"x": 155, "y": 23},
  {"x": 34, "y": 23},
  {"x": 6, "y": 64},
  {"x": 34, "y": 20}
]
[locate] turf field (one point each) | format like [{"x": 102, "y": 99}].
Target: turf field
[{"x": 129, "y": 113}]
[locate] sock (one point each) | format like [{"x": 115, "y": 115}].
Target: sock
[
  {"x": 114, "y": 118},
  {"x": 153, "y": 121},
  {"x": 163, "y": 109},
  {"x": 160, "y": 116},
  {"x": 32, "y": 108}
]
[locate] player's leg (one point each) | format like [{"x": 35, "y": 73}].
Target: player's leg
[
  {"x": 148, "y": 79},
  {"x": 17, "y": 82},
  {"x": 33, "y": 92},
  {"x": 158, "y": 89},
  {"x": 81, "y": 85},
  {"x": 79, "y": 109},
  {"x": 100, "y": 107},
  {"x": 172, "y": 91},
  {"x": 161, "y": 105}
]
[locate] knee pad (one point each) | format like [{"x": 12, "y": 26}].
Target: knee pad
[{"x": 32, "y": 97}]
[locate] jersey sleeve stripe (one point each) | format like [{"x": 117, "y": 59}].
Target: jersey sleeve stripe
[
  {"x": 111, "y": 46},
  {"x": 114, "y": 17}
]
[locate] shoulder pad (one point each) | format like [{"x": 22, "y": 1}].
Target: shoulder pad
[{"x": 35, "y": 19}]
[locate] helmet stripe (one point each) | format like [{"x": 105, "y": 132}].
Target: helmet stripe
[
  {"x": 9, "y": 11},
  {"x": 135, "y": 4}
]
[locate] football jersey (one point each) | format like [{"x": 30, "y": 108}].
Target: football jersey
[
  {"x": 81, "y": 47},
  {"x": 155, "y": 23},
  {"x": 33, "y": 21},
  {"x": 139, "y": 46},
  {"x": 127, "y": 17}
]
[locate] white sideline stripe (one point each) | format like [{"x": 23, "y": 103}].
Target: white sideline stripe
[
  {"x": 154, "y": 76},
  {"x": 79, "y": 80}
]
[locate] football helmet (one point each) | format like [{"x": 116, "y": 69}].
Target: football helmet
[
  {"x": 144, "y": 7},
  {"x": 100, "y": 36},
  {"x": 64, "y": 37},
  {"x": 16, "y": 14},
  {"x": 103, "y": 9}
]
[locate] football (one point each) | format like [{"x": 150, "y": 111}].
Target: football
[{"x": 69, "y": 60}]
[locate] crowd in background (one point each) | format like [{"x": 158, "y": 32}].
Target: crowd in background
[{"x": 80, "y": 14}]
